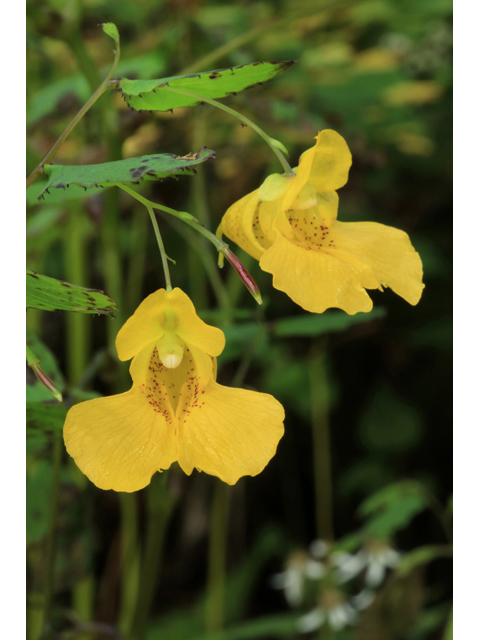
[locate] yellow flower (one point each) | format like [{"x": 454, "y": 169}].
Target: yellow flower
[
  {"x": 290, "y": 225},
  {"x": 175, "y": 410}
]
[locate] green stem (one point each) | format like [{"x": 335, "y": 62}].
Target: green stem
[
  {"x": 222, "y": 247},
  {"x": 209, "y": 263},
  {"x": 239, "y": 116},
  {"x": 130, "y": 563},
  {"x": 76, "y": 119},
  {"x": 52, "y": 527},
  {"x": 160, "y": 505},
  {"x": 137, "y": 252},
  {"x": 78, "y": 324},
  {"x": 181, "y": 215},
  {"x": 217, "y": 550},
  {"x": 168, "y": 283},
  {"x": 321, "y": 445}
]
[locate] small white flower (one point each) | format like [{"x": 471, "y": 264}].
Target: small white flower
[
  {"x": 333, "y": 609},
  {"x": 300, "y": 566},
  {"x": 363, "y": 599},
  {"x": 376, "y": 557},
  {"x": 319, "y": 549}
]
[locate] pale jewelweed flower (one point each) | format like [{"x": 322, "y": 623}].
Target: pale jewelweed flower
[
  {"x": 290, "y": 225},
  {"x": 175, "y": 410}
]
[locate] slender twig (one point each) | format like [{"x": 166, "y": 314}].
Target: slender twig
[
  {"x": 239, "y": 116},
  {"x": 76, "y": 119},
  {"x": 168, "y": 283}
]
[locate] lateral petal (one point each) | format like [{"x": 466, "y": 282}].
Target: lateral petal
[
  {"x": 119, "y": 441},
  {"x": 389, "y": 253},
  {"x": 229, "y": 433},
  {"x": 318, "y": 279}
]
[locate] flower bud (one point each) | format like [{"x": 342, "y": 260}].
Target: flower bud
[{"x": 243, "y": 273}]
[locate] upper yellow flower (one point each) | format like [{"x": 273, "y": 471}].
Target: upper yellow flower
[
  {"x": 290, "y": 225},
  {"x": 175, "y": 410}
]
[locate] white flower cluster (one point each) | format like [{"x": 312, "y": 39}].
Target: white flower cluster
[{"x": 332, "y": 569}]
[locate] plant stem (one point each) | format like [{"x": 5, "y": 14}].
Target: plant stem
[
  {"x": 217, "y": 549},
  {"x": 76, "y": 119},
  {"x": 321, "y": 444},
  {"x": 181, "y": 215},
  {"x": 239, "y": 116},
  {"x": 78, "y": 324},
  {"x": 137, "y": 251},
  {"x": 168, "y": 283},
  {"x": 159, "y": 509},
  {"x": 208, "y": 262},
  {"x": 130, "y": 562},
  {"x": 50, "y": 547}
]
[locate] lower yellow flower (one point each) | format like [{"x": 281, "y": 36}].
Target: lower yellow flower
[
  {"x": 290, "y": 225},
  {"x": 175, "y": 410}
]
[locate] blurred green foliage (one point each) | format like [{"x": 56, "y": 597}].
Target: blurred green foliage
[{"x": 377, "y": 71}]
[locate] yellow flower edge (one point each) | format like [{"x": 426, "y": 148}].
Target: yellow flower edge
[
  {"x": 290, "y": 225},
  {"x": 174, "y": 411}
]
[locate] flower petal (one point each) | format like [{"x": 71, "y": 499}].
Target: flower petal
[
  {"x": 274, "y": 187},
  {"x": 228, "y": 432},
  {"x": 167, "y": 311},
  {"x": 388, "y": 251},
  {"x": 144, "y": 327},
  {"x": 319, "y": 279},
  {"x": 324, "y": 167},
  {"x": 239, "y": 223},
  {"x": 193, "y": 331},
  {"x": 120, "y": 441}
]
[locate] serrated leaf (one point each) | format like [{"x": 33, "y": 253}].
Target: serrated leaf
[
  {"x": 159, "y": 95},
  {"x": 54, "y": 295},
  {"x": 315, "y": 325},
  {"x": 131, "y": 170}
]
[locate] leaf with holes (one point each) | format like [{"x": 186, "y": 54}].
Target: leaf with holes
[
  {"x": 131, "y": 170},
  {"x": 54, "y": 295},
  {"x": 161, "y": 95}
]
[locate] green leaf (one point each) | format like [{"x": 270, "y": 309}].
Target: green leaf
[
  {"x": 131, "y": 170},
  {"x": 422, "y": 555},
  {"x": 111, "y": 30},
  {"x": 392, "y": 508},
  {"x": 44, "y": 418},
  {"x": 159, "y": 95},
  {"x": 316, "y": 325},
  {"x": 53, "y": 295}
]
